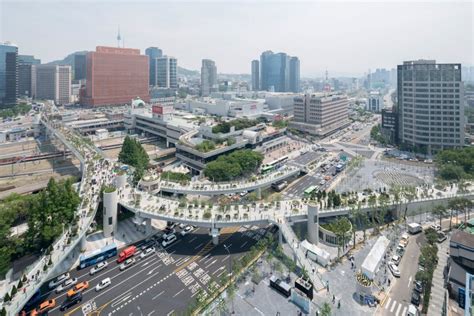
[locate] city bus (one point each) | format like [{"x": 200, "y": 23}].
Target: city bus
[
  {"x": 266, "y": 169},
  {"x": 279, "y": 186},
  {"x": 279, "y": 162},
  {"x": 309, "y": 191},
  {"x": 98, "y": 255}
]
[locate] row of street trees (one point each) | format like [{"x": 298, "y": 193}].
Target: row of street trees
[{"x": 135, "y": 155}]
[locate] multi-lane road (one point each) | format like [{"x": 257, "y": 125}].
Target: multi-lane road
[{"x": 165, "y": 282}]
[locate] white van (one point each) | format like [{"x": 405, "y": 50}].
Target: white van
[{"x": 169, "y": 240}]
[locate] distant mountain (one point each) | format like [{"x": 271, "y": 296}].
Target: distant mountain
[
  {"x": 186, "y": 72},
  {"x": 68, "y": 60}
]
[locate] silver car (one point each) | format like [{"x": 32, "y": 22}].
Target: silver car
[
  {"x": 60, "y": 279},
  {"x": 66, "y": 285},
  {"x": 127, "y": 263},
  {"x": 98, "y": 267}
]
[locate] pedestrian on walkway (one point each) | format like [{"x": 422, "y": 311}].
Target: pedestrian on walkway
[{"x": 333, "y": 298}]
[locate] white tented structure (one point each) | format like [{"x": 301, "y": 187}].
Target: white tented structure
[{"x": 371, "y": 264}]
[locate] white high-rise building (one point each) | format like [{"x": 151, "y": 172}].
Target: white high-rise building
[
  {"x": 208, "y": 77},
  {"x": 166, "y": 72},
  {"x": 374, "y": 102},
  {"x": 53, "y": 82}
]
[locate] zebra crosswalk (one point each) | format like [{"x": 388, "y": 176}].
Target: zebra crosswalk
[{"x": 393, "y": 307}]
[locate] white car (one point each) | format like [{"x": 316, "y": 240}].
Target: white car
[
  {"x": 169, "y": 233},
  {"x": 98, "y": 267},
  {"x": 394, "y": 269},
  {"x": 436, "y": 227},
  {"x": 127, "y": 263},
  {"x": 147, "y": 252},
  {"x": 186, "y": 230},
  {"x": 103, "y": 284},
  {"x": 66, "y": 285},
  {"x": 181, "y": 225},
  {"x": 60, "y": 279},
  {"x": 169, "y": 240},
  {"x": 396, "y": 259}
]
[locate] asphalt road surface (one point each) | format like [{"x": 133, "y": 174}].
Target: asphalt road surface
[{"x": 166, "y": 281}]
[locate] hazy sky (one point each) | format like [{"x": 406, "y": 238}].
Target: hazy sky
[{"x": 347, "y": 38}]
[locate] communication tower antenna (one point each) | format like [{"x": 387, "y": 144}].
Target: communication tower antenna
[{"x": 118, "y": 37}]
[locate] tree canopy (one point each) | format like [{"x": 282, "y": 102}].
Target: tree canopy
[
  {"x": 456, "y": 164},
  {"x": 231, "y": 166},
  {"x": 133, "y": 154},
  {"x": 241, "y": 123}
]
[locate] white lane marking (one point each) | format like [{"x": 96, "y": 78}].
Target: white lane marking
[
  {"x": 210, "y": 264},
  {"x": 205, "y": 257},
  {"x": 178, "y": 293},
  {"x": 393, "y": 306},
  {"x": 225, "y": 258},
  {"x": 409, "y": 281},
  {"x": 192, "y": 239},
  {"x": 158, "y": 295},
  {"x": 243, "y": 244},
  {"x": 171, "y": 312},
  {"x": 261, "y": 313},
  {"x": 198, "y": 246},
  {"x": 398, "y": 309},
  {"x": 145, "y": 264},
  {"x": 404, "y": 311},
  {"x": 151, "y": 271},
  {"x": 151, "y": 312},
  {"x": 121, "y": 300},
  {"x": 388, "y": 302},
  {"x": 221, "y": 268},
  {"x": 220, "y": 274}
]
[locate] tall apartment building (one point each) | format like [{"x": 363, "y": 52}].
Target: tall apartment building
[
  {"x": 320, "y": 114},
  {"x": 166, "y": 75},
  {"x": 53, "y": 82},
  {"x": 279, "y": 72},
  {"x": 208, "y": 77},
  {"x": 27, "y": 75},
  {"x": 115, "y": 76},
  {"x": 294, "y": 74},
  {"x": 80, "y": 66},
  {"x": 255, "y": 75},
  {"x": 8, "y": 74},
  {"x": 153, "y": 53},
  {"x": 430, "y": 105}
]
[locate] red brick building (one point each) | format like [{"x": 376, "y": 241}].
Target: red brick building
[{"x": 115, "y": 76}]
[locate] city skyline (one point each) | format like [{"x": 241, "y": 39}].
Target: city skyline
[{"x": 362, "y": 35}]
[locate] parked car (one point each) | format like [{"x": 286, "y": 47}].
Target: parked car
[
  {"x": 186, "y": 230},
  {"x": 400, "y": 251},
  {"x": 441, "y": 237},
  {"x": 436, "y": 227},
  {"x": 181, "y": 225},
  {"x": 98, "y": 267},
  {"x": 66, "y": 285},
  {"x": 418, "y": 286},
  {"x": 415, "y": 298},
  {"x": 70, "y": 301},
  {"x": 103, "y": 284},
  {"x": 396, "y": 259},
  {"x": 147, "y": 252},
  {"x": 60, "y": 279},
  {"x": 394, "y": 269},
  {"x": 127, "y": 263}
]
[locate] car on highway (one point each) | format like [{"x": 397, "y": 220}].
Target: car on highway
[
  {"x": 186, "y": 230},
  {"x": 44, "y": 307},
  {"x": 70, "y": 301},
  {"x": 147, "y": 252},
  {"x": 415, "y": 298},
  {"x": 127, "y": 263},
  {"x": 418, "y": 286},
  {"x": 169, "y": 240},
  {"x": 103, "y": 284},
  {"x": 66, "y": 285},
  {"x": 396, "y": 259},
  {"x": 147, "y": 244},
  {"x": 98, "y": 267},
  {"x": 60, "y": 279},
  {"x": 79, "y": 287},
  {"x": 394, "y": 269}
]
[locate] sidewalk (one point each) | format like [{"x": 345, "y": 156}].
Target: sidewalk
[{"x": 437, "y": 289}]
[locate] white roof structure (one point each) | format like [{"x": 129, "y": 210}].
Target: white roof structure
[{"x": 372, "y": 261}]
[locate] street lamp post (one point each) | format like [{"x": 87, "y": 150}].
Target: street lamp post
[{"x": 230, "y": 275}]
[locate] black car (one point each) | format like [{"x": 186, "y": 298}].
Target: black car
[
  {"x": 70, "y": 301},
  {"x": 418, "y": 287},
  {"x": 415, "y": 298}
]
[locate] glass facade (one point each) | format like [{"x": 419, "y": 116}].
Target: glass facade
[
  {"x": 153, "y": 53},
  {"x": 279, "y": 72},
  {"x": 8, "y": 74}
]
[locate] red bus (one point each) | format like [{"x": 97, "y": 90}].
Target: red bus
[{"x": 126, "y": 253}]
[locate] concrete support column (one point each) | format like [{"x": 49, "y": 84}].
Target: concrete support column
[
  {"x": 280, "y": 236},
  {"x": 83, "y": 243},
  {"x": 259, "y": 193},
  {"x": 148, "y": 227},
  {"x": 110, "y": 213},
  {"x": 313, "y": 223},
  {"x": 215, "y": 236}
]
